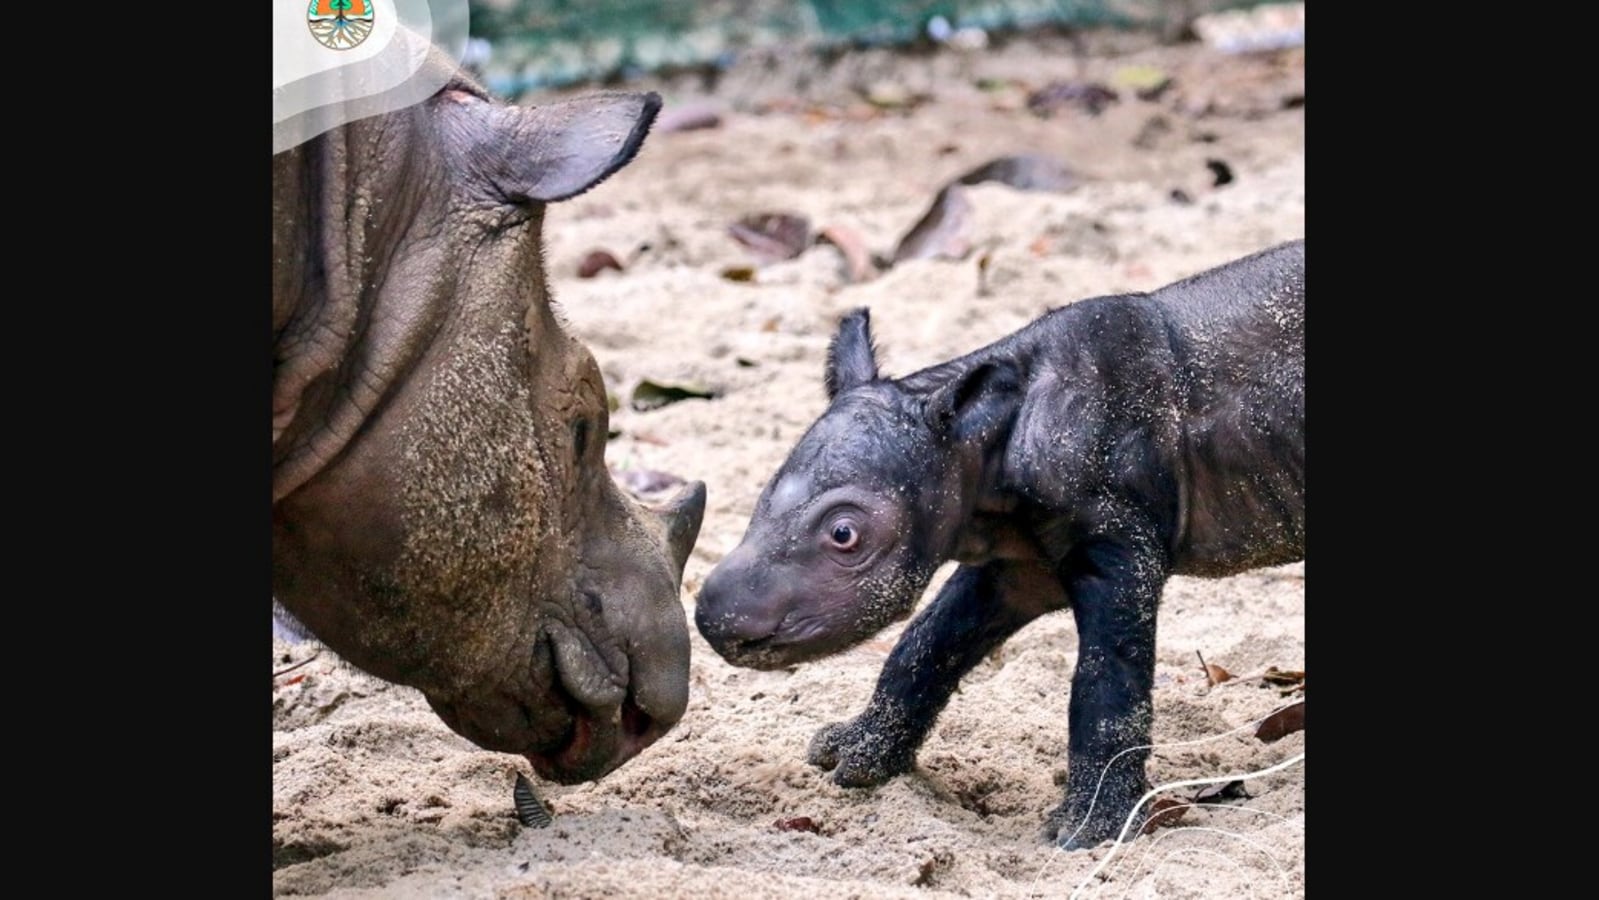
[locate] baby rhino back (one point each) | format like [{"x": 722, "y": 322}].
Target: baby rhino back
[{"x": 1238, "y": 334}]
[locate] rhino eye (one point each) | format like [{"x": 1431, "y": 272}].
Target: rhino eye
[
  {"x": 580, "y": 437},
  {"x": 845, "y": 536}
]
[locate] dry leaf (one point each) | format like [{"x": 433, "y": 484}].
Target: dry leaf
[
  {"x": 650, "y": 395},
  {"x": 1164, "y": 812},
  {"x": 1148, "y": 82},
  {"x": 739, "y": 273},
  {"x": 850, "y": 243},
  {"x": 1220, "y": 793},
  {"x": 1090, "y": 96},
  {"x": 596, "y": 262},
  {"x": 798, "y": 823},
  {"x": 1025, "y": 173},
  {"x": 1280, "y": 677},
  {"x": 942, "y": 230},
  {"x": 1282, "y": 723},
  {"x": 772, "y": 237},
  {"x": 1213, "y": 673}
]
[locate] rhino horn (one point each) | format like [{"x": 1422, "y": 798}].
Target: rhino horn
[{"x": 682, "y": 515}]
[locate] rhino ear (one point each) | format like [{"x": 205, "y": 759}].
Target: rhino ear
[
  {"x": 976, "y": 402},
  {"x": 558, "y": 150},
  {"x": 851, "y": 358}
]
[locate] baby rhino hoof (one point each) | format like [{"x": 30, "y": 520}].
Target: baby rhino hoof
[
  {"x": 1067, "y": 829},
  {"x": 857, "y": 755}
]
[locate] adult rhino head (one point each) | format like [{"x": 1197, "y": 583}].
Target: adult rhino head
[{"x": 442, "y": 516}]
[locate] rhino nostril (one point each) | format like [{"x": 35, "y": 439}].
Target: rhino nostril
[{"x": 635, "y": 721}]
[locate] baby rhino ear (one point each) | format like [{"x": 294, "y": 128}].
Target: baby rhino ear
[
  {"x": 976, "y": 402},
  {"x": 851, "y": 358}
]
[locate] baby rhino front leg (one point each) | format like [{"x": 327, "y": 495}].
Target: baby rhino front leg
[{"x": 978, "y": 608}]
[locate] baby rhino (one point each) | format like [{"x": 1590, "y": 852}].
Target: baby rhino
[{"x": 1078, "y": 463}]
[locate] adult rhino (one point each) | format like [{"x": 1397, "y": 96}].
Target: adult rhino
[{"x": 442, "y": 516}]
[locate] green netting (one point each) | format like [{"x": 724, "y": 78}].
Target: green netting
[{"x": 547, "y": 42}]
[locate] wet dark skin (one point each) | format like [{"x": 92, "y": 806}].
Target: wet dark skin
[{"x": 1077, "y": 463}]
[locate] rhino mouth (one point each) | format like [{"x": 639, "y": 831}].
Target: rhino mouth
[
  {"x": 594, "y": 746},
  {"x": 796, "y": 638},
  {"x": 607, "y": 726}
]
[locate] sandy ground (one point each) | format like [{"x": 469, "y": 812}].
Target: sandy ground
[{"x": 374, "y": 797}]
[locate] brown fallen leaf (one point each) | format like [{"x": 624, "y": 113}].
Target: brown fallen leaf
[
  {"x": 1280, "y": 677},
  {"x": 1026, "y": 173},
  {"x": 1091, "y": 96},
  {"x": 1282, "y": 723},
  {"x": 596, "y": 262},
  {"x": 942, "y": 230},
  {"x": 1164, "y": 812},
  {"x": 798, "y": 823},
  {"x": 739, "y": 273},
  {"x": 849, "y": 242},
  {"x": 648, "y": 395},
  {"x": 1213, "y": 673},
  {"x": 774, "y": 236}
]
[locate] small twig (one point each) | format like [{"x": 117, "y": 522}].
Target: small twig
[{"x": 297, "y": 665}]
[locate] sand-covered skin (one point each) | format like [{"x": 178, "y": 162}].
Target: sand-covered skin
[{"x": 374, "y": 797}]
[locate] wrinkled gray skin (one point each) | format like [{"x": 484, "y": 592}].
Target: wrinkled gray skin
[
  {"x": 1077, "y": 463},
  {"x": 442, "y": 516}
]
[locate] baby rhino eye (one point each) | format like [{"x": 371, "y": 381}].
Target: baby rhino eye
[{"x": 844, "y": 535}]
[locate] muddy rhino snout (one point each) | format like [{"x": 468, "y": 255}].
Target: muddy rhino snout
[{"x": 625, "y": 670}]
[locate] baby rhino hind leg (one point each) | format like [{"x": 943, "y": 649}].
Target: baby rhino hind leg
[
  {"x": 1115, "y": 586},
  {"x": 977, "y": 610}
]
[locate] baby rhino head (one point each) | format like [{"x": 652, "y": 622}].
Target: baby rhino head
[{"x": 849, "y": 531}]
